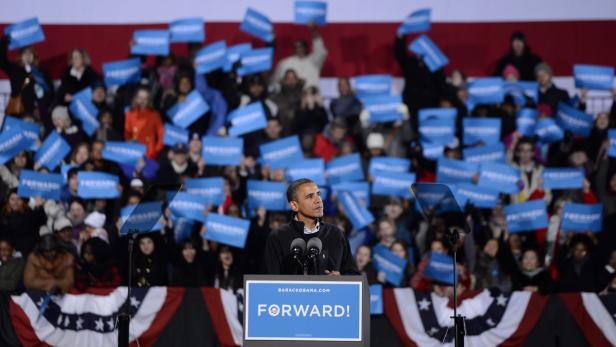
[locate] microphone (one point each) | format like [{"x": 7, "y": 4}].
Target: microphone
[
  {"x": 298, "y": 246},
  {"x": 314, "y": 247}
]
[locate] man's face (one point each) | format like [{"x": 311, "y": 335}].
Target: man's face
[
  {"x": 300, "y": 49},
  {"x": 543, "y": 78},
  {"x": 308, "y": 201},
  {"x": 6, "y": 251},
  {"x": 66, "y": 234}
]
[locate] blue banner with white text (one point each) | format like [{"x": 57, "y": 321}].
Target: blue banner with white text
[
  {"x": 186, "y": 112},
  {"x": 222, "y": 151},
  {"x": 174, "y": 135},
  {"x": 211, "y": 57},
  {"x": 582, "y": 217},
  {"x": 345, "y": 168},
  {"x": 393, "y": 184},
  {"x": 36, "y": 184},
  {"x": 118, "y": 73},
  {"x": 97, "y": 185},
  {"x": 313, "y": 169},
  {"x": 358, "y": 215},
  {"x": 455, "y": 171},
  {"x": 432, "y": 56},
  {"x": 386, "y": 261},
  {"x": 123, "y": 152},
  {"x": 306, "y": 12},
  {"x": 269, "y": 195},
  {"x": 210, "y": 188},
  {"x": 150, "y": 42},
  {"x": 527, "y": 216},
  {"x": 570, "y": 118},
  {"x": 187, "y": 30},
  {"x": 227, "y": 230},
  {"x": 482, "y": 154},
  {"x": 84, "y": 109},
  {"x": 257, "y": 25},
  {"x": 52, "y": 151},
  {"x": 371, "y": 85},
  {"x": 501, "y": 177},
  {"x": 593, "y": 77},
  {"x": 416, "y": 22},
  {"x": 563, "y": 178},
  {"x": 24, "y": 33},
  {"x": 246, "y": 119},
  {"x": 481, "y": 130}
]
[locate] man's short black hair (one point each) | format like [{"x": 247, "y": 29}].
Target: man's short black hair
[{"x": 294, "y": 186}]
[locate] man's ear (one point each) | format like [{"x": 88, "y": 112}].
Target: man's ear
[{"x": 294, "y": 206}]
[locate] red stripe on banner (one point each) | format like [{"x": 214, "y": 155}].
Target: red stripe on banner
[
  {"x": 361, "y": 48},
  {"x": 217, "y": 314},
  {"x": 390, "y": 307},
  {"x": 575, "y": 306},
  {"x": 172, "y": 302},
  {"x": 23, "y": 328},
  {"x": 534, "y": 309}
]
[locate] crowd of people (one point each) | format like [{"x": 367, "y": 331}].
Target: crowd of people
[{"x": 73, "y": 244}]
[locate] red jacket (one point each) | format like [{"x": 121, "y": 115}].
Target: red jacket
[{"x": 146, "y": 127}]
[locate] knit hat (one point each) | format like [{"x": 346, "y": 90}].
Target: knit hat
[
  {"x": 510, "y": 70},
  {"x": 95, "y": 220},
  {"x": 375, "y": 141},
  {"x": 543, "y": 67},
  {"x": 62, "y": 223},
  {"x": 136, "y": 183}
]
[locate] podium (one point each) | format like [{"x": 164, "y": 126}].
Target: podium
[{"x": 290, "y": 310}]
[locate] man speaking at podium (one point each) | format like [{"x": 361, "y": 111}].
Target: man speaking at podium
[{"x": 306, "y": 245}]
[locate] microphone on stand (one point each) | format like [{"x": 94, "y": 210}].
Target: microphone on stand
[
  {"x": 315, "y": 245},
  {"x": 298, "y": 248}
]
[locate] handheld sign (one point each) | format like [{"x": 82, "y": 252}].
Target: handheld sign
[
  {"x": 256, "y": 60},
  {"x": 313, "y": 169},
  {"x": 486, "y": 90},
  {"x": 150, "y": 42},
  {"x": 174, "y": 135},
  {"x": 570, "y": 118},
  {"x": 479, "y": 196},
  {"x": 142, "y": 217},
  {"x": 84, "y": 109},
  {"x": 386, "y": 261},
  {"x": 563, "y": 178},
  {"x": 282, "y": 153},
  {"x": 24, "y": 33},
  {"x": 438, "y": 131},
  {"x": 376, "y": 299},
  {"x": 440, "y": 268},
  {"x": 52, "y": 151},
  {"x": 527, "y": 216},
  {"x": 228, "y": 230},
  {"x": 30, "y": 130},
  {"x": 186, "y": 112},
  {"x": 484, "y": 130},
  {"x": 449, "y": 113},
  {"x": 548, "y": 131},
  {"x": 307, "y": 12},
  {"x": 189, "y": 206},
  {"x": 247, "y": 119},
  {"x": 211, "y": 57},
  {"x": 97, "y": 185},
  {"x": 416, "y": 22},
  {"x": 210, "y": 188},
  {"x": 234, "y": 53},
  {"x": 383, "y": 108},
  {"x": 345, "y": 168},
  {"x": 12, "y": 141},
  {"x": 359, "y": 190},
  {"x": 388, "y": 164},
  {"x": 393, "y": 184},
  {"x": 269, "y": 195},
  {"x": 118, "y": 73},
  {"x": 123, "y": 152},
  {"x": 257, "y": 25},
  {"x": 432, "y": 56},
  {"x": 582, "y": 217},
  {"x": 454, "y": 171},
  {"x": 593, "y": 76},
  {"x": 357, "y": 214},
  {"x": 372, "y": 85},
  {"x": 526, "y": 121},
  {"x": 501, "y": 177},
  {"x": 36, "y": 184},
  {"x": 477, "y": 155},
  {"x": 187, "y": 30},
  {"x": 222, "y": 151}
]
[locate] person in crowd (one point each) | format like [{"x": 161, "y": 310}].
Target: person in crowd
[
  {"x": 311, "y": 116},
  {"x": 307, "y": 65},
  {"x": 548, "y": 92},
  {"x": 255, "y": 90},
  {"x": 531, "y": 276},
  {"x": 62, "y": 124},
  {"x": 190, "y": 268},
  {"x": 20, "y": 224},
  {"x": 178, "y": 168},
  {"x": 78, "y": 75},
  {"x": 9, "y": 172},
  {"x": 143, "y": 124},
  {"x": 227, "y": 274},
  {"x": 608, "y": 271},
  {"x": 97, "y": 268},
  {"x": 519, "y": 57},
  {"x": 400, "y": 249},
  {"x": 490, "y": 271},
  {"x": 94, "y": 227},
  {"x": 31, "y": 86},
  {"x": 106, "y": 131},
  {"x": 346, "y": 105},
  {"x": 363, "y": 260},
  {"x": 531, "y": 172},
  {"x": 49, "y": 267},
  {"x": 386, "y": 233},
  {"x": 63, "y": 229},
  {"x": 149, "y": 265},
  {"x": 577, "y": 266},
  {"x": 289, "y": 98},
  {"x": 11, "y": 267},
  {"x": 80, "y": 154},
  {"x": 99, "y": 95},
  {"x": 329, "y": 143}
]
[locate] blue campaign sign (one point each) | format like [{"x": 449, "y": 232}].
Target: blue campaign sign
[
  {"x": 97, "y": 185},
  {"x": 432, "y": 56},
  {"x": 526, "y": 121},
  {"x": 570, "y": 118},
  {"x": 270, "y": 195},
  {"x": 281, "y": 153},
  {"x": 563, "y": 178},
  {"x": 487, "y": 90},
  {"x": 432, "y": 151},
  {"x": 234, "y": 53},
  {"x": 307, "y": 12},
  {"x": 211, "y": 189},
  {"x": 527, "y": 216},
  {"x": 388, "y": 164},
  {"x": 123, "y": 152},
  {"x": 485, "y": 130},
  {"x": 582, "y": 217},
  {"x": 392, "y": 265},
  {"x": 489, "y": 153},
  {"x": 501, "y": 177},
  {"x": 416, "y": 22},
  {"x": 345, "y": 168},
  {"x": 371, "y": 85},
  {"x": 593, "y": 76},
  {"x": 256, "y": 60},
  {"x": 449, "y": 113},
  {"x": 438, "y": 131},
  {"x": 479, "y": 196},
  {"x": 222, "y": 151},
  {"x": 182, "y": 228},
  {"x": 24, "y": 33},
  {"x": 174, "y": 135},
  {"x": 358, "y": 215},
  {"x": 455, "y": 171},
  {"x": 52, "y": 151},
  {"x": 12, "y": 141},
  {"x": 228, "y": 230},
  {"x": 29, "y": 129},
  {"x": 522, "y": 90},
  {"x": 150, "y": 42},
  {"x": 440, "y": 268},
  {"x": 189, "y": 206},
  {"x": 36, "y": 184},
  {"x": 118, "y": 73},
  {"x": 393, "y": 184},
  {"x": 247, "y": 119},
  {"x": 548, "y": 131},
  {"x": 303, "y": 311},
  {"x": 313, "y": 169},
  {"x": 437, "y": 197},
  {"x": 186, "y": 112},
  {"x": 383, "y": 108},
  {"x": 84, "y": 109},
  {"x": 611, "y": 150},
  {"x": 187, "y": 30},
  {"x": 257, "y": 25},
  {"x": 359, "y": 190},
  {"x": 211, "y": 57},
  {"x": 376, "y": 299},
  {"x": 143, "y": 217}
]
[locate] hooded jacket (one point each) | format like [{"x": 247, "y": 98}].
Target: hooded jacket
[{"x": 335, "y": 254}]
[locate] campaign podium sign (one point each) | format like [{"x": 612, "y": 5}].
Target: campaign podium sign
[{"x": 282, "y": 310}]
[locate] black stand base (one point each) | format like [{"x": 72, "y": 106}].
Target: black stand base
[
  {"x": 458, "y": 320},
  {"x": 123, "y": 325}
]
